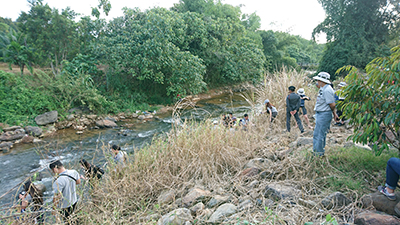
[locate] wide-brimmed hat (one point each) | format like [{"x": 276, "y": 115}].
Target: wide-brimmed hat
[
  {"x": 342, "y": 84},
  {"x": 266, "y": 101},
  {"x": 301, "y": 91},
  {"x": 324, "y": 77}
]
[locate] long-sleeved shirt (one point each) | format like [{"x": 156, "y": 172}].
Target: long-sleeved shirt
[{"x": 292, "y": 102}]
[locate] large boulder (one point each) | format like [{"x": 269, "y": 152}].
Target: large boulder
[
  {"x": 34, "y": 131},
  {"x": 6, "y": 129},
  {"x": 222, "y": 212},
  {"x": 12, "y": 135},
  {"x": 176, "y": 217},
  {"x": 46, "y": 118},
  {"x": 105, "y": 124},
  {"x": 335, "y": 200},
  {"x": 381, "y": 202},
  {"x": 194, "y": 196},
  {"x": 374, "y": 218}
]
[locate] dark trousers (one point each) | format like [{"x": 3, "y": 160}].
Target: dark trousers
[
  {"x": 298, "y": 121},
  {"x": 66, "y": 213}
]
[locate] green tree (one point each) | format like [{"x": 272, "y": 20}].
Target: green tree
[
  {"x": 372, "y": 102},
  {"x": 20, "y": 55},
  {"x": 356, "y": 30}
]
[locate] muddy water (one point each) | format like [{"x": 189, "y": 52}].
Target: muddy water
[{"x": 70, "y": 147}]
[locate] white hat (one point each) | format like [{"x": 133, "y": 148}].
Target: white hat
[
  {"x": 342, "y": 84},
  {"x": 324, "y": 77},
  {"x": 266, "y": 101},
  {"x": 301, "y": 91}
]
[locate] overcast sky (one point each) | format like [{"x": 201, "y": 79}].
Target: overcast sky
[{"x": 298, "y": 17}]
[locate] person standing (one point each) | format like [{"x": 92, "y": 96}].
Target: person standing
[
  {"x": 324, "y": 109},
  {"x": 292, "y": 108},
  {"x": 64, "y": 190},
  {"x": 303, "y": 99},
  {"x": 339, "y": 98},
  {"x": 271, "y": 110}
]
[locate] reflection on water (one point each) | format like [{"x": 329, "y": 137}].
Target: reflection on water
[{"x": 70, "y": 147}]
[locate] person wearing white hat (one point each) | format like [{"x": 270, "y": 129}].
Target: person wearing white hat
[
  {"x": 340, "y": 98},
  {"x": 303, "y": 98},
  {"x": 271, "y": 110},
  {"x": 324, "y": 109}
]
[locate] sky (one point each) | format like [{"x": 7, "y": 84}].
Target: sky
[{"x": 297, "y": 17}]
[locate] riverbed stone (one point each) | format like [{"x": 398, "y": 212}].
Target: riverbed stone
[
  {"x": 381, "y": 202},
  {"x": 46, "y": 118},
  {"x": 6, "y": 146},
  {"x": 70, "y": 117},
  {"x": 27, "y": 139},
  {"x": 166, "y": 197},
  {"x": 249, "y": 172},
  {"x": 177, "y": 217},
  {"x": 304, "y": 141},
  {"x": 105, "y": 124},
  {"x": 375, "y": 217},
  {"x": 261, "y": 163},
  {"x": 222, "y": 212},
  {"x": 279, "y": 191},
  {"x": 34, "y": 131},
  {"x": 198, "y": 208},
  {"x": 6, "y": 129},
  {"x": 335, "y": 200},
  {"x": 12, "y": 135},
  {"x": 218, "y": 200}
]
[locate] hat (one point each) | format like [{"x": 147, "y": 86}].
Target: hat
[
  {"x": 301, "y": 91},
  {"x": 266, "y": 101},
  {"x": 324, "y": 77},
  {"x": 342, "y": 84}
]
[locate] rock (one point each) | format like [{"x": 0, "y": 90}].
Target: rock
[
  {"x": 381, "y": 202},
  {"x": 111, "y": 119},
  {"x": 198, "y": 208},
  {"x": 304, "y": 141},
  {"x": 249, "y": 172},
  {"x": 261, "y": 163},
  {"x": 176, "y": 217},
  {"x": 6, "y": 146},
  {"x": 141, "y": 117},
  {"x": 79, "y": 132},
  {"x": 307, "y": 203},
  {"x": 12, "y": 135},
  {"x": 135, "y": 115},
  {"x": 246, "y": 204},
  {"x": 365, "y": 147},
  {"x": 6, "y": 129},
  {"x": 373, "y": 218},
  {"x": 292, "y": 144},
  {"x": 166, "y": 197},
  {"x": 335, "y": 200},
  {"x": 106, "y": 124},
  {"x": 348, "y": 144},
  {"x": 194, "y": 196},
  {"x": 85, "y": 121},
  {"x": 222, "y": 212},
  {"x": 70, "y": 117},
  {"x": 27, "y": 139},
  {"x": 205, "y": 215},
  {"x": 36, "y": 140},
  {"x": 92, "y": 117},
  {"x": 253, "y": 184},
  {"x": 34, "y": 131},
  {"x": 46, "y": 118},
  {"x": 279, "y": 191},
  {"x": 218, "y": 200},
  {"x": 79, "y": 110}
]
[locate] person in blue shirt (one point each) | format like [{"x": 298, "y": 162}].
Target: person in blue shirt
[{"x": 303, "y": 98}]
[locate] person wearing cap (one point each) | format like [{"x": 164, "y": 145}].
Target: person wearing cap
[
  {"x": 292, "y": 109},
  {"x": 340, "y": 98},
  {"x": 324, "y": 109},
  {"x": 271, "y": 110},
  {"x": 303, "y": 98},
  {"x": 245, "y": 122}
]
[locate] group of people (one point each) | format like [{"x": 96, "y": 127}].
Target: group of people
[
  {"x": 230, "y": 121},
  {"x": 64, "y": 186}
]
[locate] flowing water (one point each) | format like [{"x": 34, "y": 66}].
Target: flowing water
[{"x": 26, "y": 159}]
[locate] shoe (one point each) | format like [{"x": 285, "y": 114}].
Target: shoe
[{"x": 390, "y": 196}]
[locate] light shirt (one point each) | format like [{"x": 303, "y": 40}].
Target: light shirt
[
  {"x": 67, "y": 187},
  {"x": 120, "y": 158},
  {"x": 272, "y": 109},
  {"x": 326, "y": 96}
]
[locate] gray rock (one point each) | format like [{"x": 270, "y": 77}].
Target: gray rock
[
  {"x": 106, "y": 124},
  {"x": 218, "y": 200},
  {"x": 176, "y": 217},
  {"x": 70, "y": 117},
  {"x": 135, "y": 115},
  {"x": 6, "y": 146},
  {"x": 194, "y": 196},
  {"x": 374, "y": 218},
  {"x": 335, "y": 200},
  {"x": 253, "y": 184},
  {"x": 111, "y": 119},
  {"x": 46, "y": 118},
  {"x": 141, "y": 117},
  {"x": 12, "y": 135},
  {"x": 166, "y": 197},
  {"x": 222, "y": 212},
  {"x": 34, "y": 131},
  {"x": 198, "y": 208},
  {"x": 261, "y": 163},
  {"x": 304, "y": 141},
  {"x": 381, "y": 202},
  {"x": 6, "y": 129},
  {"x": 279, "y": 191},
  {"x": 246, "y": 204},
  {"x": 307, "y": 203}
]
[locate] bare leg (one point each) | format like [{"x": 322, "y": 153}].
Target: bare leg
[{"x": 307, "y": 121}]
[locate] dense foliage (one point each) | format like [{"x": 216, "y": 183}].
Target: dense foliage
[
  {"x": 372, "y": 102},
  {"x": 357, "y": 31}
]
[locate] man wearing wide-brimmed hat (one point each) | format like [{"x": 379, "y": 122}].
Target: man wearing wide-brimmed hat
[{"x": 324, "y": 109}]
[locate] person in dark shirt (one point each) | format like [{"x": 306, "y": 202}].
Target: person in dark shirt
[
  {"x": 91, "y": 171},
  {"x": 292, "y": 108}
]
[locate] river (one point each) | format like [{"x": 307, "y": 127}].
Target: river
[{"x": 25, "y": 159}]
